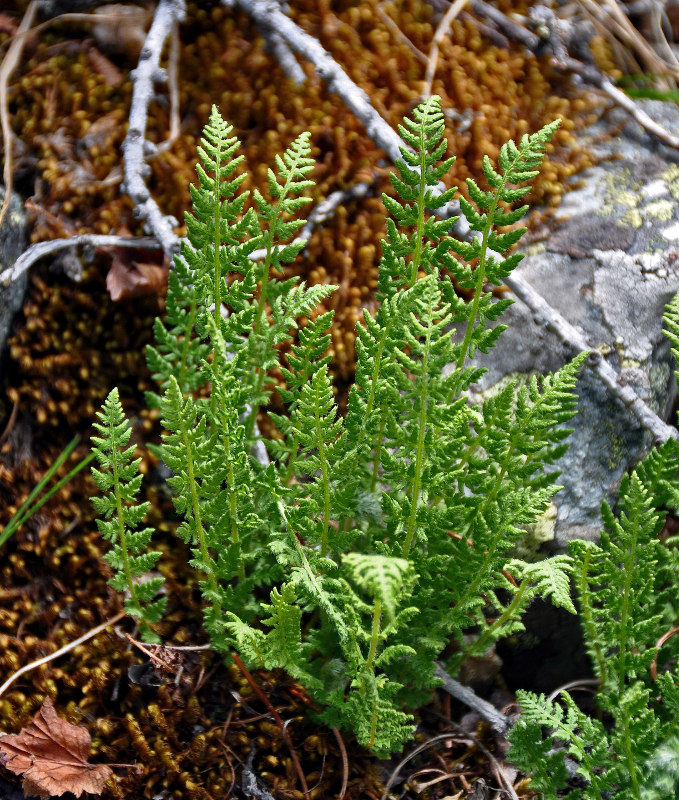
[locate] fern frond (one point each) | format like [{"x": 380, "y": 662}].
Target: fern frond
[{"x": 119, "y": 480}]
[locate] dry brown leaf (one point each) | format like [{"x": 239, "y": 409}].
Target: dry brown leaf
[
  {"x": 51, "y": 756},
  {"x": 135, "y": 278}
]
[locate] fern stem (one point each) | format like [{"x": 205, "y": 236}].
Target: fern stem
[
  {"x": 122, "y": 533},
  {"x": 195, "y": 504},
  {"x": 326, "y": 487},
  {"x": 487, "y": 637},
  {"x": 481, "y": 268},
  {"x": 628, "y": 568},
  {"x": 378, "y": 449},
  {"x": 375, "y": 635},
  {"x": 419, "y": 451},
  {"x": 233, "y": 504},
  {"x": 417, "y": 255},
  {"x": 473, "y": 587},
  {"x": 187, "y": 342},
  {"x": 629, "y": 755},
  {"x": 259, "y": 373},
  {"x": 582, "y": 584}
]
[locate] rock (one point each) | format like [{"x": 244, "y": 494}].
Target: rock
[
  {"x": 13, "y": 239},
  {"x": 609, "y": 263}
]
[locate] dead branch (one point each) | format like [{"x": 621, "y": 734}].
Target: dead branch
[
  {"x": 545, "y": 315},
  {"x": 441, "y": 31},
  {"x": 7, "y": 67},
  {"x": 498, "y": 722},
  {"x": 135, "y": 148},
  {"x": 42, "y": 249}
]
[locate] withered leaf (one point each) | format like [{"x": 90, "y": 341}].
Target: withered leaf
[
  {"x": 51, "y": 756},
  {"x": 127, "y": 278}
]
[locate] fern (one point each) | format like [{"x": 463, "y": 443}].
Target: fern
[
  {"x": 371, "y": 539},
  {"x": 119, "y": 481}
]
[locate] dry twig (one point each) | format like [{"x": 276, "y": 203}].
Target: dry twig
[
  {"x": 135, "y": 148},
  {"x": 441, "y": 31},
  {"x": 545, "y": 315},
  {"x": 277, "y": 717},
  {"x": 9, "y": 63},
  {"x": 42, "y": 249},
  {"x": 61, "y": 651},
  {"x": 498, "y": 722}
]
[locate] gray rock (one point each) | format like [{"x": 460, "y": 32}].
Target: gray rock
[
  {"x": 13, "y": 238},
  {"x": 609, "y": 263}
]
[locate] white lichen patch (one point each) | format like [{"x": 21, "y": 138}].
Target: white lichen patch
[
  {"x": 655, "y": 189},
  {"x": 671, "y": 233}
]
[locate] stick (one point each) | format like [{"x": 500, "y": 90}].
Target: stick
[
  {"x": 61, "y": 651},
  {"x": 7, "y": 67},
  {"x": 144, "y": 77},
  {"x": 545, "y": 315},
  {"x": 441, "y": 31},
  {"x": 37, "y": 251},
  {"x": 498, "y": 722}
]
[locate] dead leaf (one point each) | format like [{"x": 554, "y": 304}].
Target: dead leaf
[
  {"x": 126, "y": 32},
  {"x": 51, "y": 756},
  {"x": 135, "y": 278}
]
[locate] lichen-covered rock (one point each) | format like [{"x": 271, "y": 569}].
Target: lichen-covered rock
[
  {"x": 608, "y": 264},
  {"x": 12, "y": 244}
]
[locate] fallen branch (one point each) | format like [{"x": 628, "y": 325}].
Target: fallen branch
[
  {"x": 7, "y": 67},
  {"x": 441, "y": 30},
  {"x": 41, "y": 249},
  {"x": 569, "y": 335},
  {"x": 135, "y": 147},
  {"x": 498, "y": 722},
  {"x": 323, "y": 211},
  {"x": 61, "y": 651}
]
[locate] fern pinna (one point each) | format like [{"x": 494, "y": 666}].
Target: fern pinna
[
  {"x": 626, "y": 588},
  {"x": 352, "y": 553}
]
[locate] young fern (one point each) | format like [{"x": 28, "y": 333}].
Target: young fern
[{"x": 119, "y": 481}]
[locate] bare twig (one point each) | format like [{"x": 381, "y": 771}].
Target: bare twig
[
  {"x": 61, "y": 651},
  {"x": 267, "y": 13},
  {"x": 578, "y": 684},
  {"x": 284, "y": 56},
  {"x": 594, "y": 76},
  {"x": 147, "y": 73},
  {"x": 9, "y": 64},
  {"x": 512, "y": 29},
  {"x": 441, "y": 31},
  {"x": 498, "y": 722},
  {"x": 439, "y": 738},
  {"x": 545, "y": 315},
  {"x": 42, "y": 249},
  {"x": 391, "y": 24}
]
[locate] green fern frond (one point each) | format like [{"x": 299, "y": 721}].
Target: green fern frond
[{"x": 119, "y": 481}]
